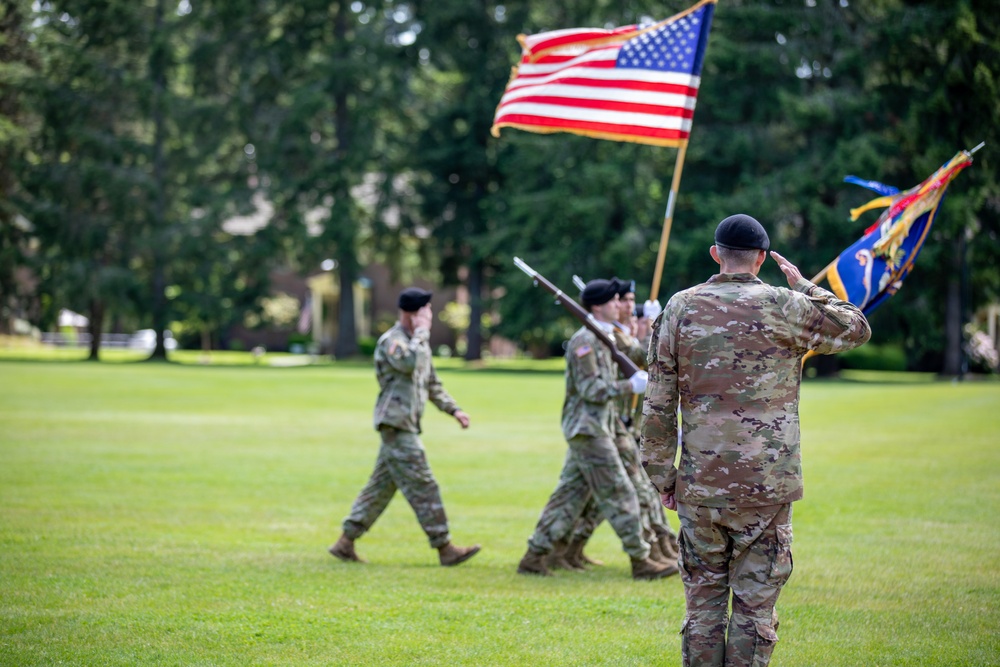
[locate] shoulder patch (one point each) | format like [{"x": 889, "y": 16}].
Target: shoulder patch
[
  {"x": 583, "y": 350},
  {"x": 393, "y": 346}
]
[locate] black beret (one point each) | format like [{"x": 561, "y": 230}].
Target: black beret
[
  {"x": 413, "y": 299},
  {"x": 624, "y": 286},
  {"x": 741, "y": 232},
  {"x": 599, "y": 291}
]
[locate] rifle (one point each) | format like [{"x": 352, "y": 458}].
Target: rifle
[{"x": 628, "y": 368}]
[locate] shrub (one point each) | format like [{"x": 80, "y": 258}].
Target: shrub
[
  {"x": 870, "y": 357},
  {"x": 366, "y": 345}
]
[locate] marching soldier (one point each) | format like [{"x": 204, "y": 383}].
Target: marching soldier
[
  {"x": 406, "y": 381},
  {"x": 593, "y": 465},
  {"x": 656, "y": 529}
]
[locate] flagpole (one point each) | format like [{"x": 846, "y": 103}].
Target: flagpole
[
  {"x": 822, "y": 274},
  {"x": 668, "y": 219}
]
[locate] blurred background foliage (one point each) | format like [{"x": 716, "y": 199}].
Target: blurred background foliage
[{"x": 131, "y": 130}]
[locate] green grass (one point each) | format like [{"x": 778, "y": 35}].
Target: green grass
[{"x": 166, "y": 514}]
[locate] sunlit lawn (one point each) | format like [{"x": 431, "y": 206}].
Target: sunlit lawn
[{"x": 166, "y": 514}]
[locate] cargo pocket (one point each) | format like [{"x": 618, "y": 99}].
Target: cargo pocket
[
  {"x": 781, "y": 566},
  {"x": 764, "y": 642}
]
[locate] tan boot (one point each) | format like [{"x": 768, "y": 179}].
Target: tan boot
[
  {"x": 669, "y": 546},
  {"x": 533, "y": 563},
  {"x": 450, "y": 555},
  {"x": 587, "y": 560},
  {"x": 656, "y": 554},
  {"x": 557, "y": 560},
  {"x": 575, "y": 556},
  {"x": 343, "y": 549},
  {"x": 645, "y": 568}
]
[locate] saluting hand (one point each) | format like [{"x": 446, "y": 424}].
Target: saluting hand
[
  {"x": 422, "y": 318},
  {"x": 791, "y": 271},
  {"x": 462, "y": 418}
]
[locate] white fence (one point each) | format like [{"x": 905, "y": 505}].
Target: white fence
[{"x": 140, "y": 340}]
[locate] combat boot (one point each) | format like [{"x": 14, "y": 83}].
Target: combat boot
[
  {"x": 343, "y": 549},
  {"x": 533, "y": 563},
  {"x": 644, "y": 568},
  {"x": 585, "y": 559},
  {"x": 450, "y": 555},
  {"x": 575, "y": 555},
  {"x": 669, "y": 546},
  {"x": 656, "y": 554},
  {"x": 557, "y": 559}
]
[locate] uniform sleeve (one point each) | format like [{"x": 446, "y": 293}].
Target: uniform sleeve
[
  {"x": 591, "y": 384},
  {"x": 438, "y": 395},
  {"x": 658, "y": 439},
  {"x": 631, "y": 347},
  {"x": 403, "y": 355},
  {"x": 823, "y": 323}
]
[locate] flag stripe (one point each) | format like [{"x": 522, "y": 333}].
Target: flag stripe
[
  {"x": 595, "y": 127},
  {"x": 570, "y": 36},
  {"x": 608, "y": 74},
  {"x": 607, "y": 105},
  {"x": 651, "y": 86},
  {"x": 605, "y": 57},
  {"x": 669, "y": 101}
]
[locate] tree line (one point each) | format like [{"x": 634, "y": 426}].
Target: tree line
[{"x": 130, "y": 131}]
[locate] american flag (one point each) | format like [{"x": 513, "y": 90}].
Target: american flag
[{"x": 633, "y": 83}]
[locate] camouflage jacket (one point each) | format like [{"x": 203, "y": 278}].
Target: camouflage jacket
[
  {"x": 406, "y": 379},
  {"x": 729, "y": 354},
  {"x": 591, "y": 385}
]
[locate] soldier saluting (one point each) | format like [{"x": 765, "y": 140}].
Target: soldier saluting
[
  {"x": 406, "y": 381},
  {"x": 729, "y": 353}
]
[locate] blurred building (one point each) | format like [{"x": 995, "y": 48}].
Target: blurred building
[{"x": 317, "y": 324}]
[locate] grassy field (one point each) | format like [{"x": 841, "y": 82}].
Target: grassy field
[{"x": 166, "y": 514}]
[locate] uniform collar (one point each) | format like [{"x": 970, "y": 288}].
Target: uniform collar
[
  {"x": 605, "y": 326},
  {"x": 734, "y": 278}
]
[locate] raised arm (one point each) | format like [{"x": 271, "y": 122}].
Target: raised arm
[{"x": 821, "y": 322}]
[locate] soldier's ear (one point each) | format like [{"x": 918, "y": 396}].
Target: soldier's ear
[{"x": 714, "y": 252}]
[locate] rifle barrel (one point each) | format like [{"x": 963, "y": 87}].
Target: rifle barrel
[
  {"x": 626, "y": 365},
  {"x": 521, "y": 264}
]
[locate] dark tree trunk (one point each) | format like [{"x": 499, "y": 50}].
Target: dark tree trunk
[
  {"x": 96, "y": 315},
  {"x": 158, "y": 71},
  {"x": 347, "y": 335},
  {"x": 346, "y": 344},
  {"x": 474, "y": 336},
  {"x": 954, "y": 357}
]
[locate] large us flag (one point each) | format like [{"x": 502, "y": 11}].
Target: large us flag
[{"x": 634, "y": 83}]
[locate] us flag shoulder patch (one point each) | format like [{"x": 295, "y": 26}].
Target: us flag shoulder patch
[{"x": 581, "y": 351}]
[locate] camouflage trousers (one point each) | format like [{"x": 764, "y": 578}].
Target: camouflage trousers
[
  {"x": 401, "y": 464},
  {"x": 593, "y": 468},
  {"x": 746, "y": 552},
  {"x": 654, "y": 521}
]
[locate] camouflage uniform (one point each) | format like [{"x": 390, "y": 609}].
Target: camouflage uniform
[
  {"x": 593, "y": 466},
  {"x": 729, "y": 354},
  {"x": 654, "y": 522},
  {"x": 406, "y": 381}
]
